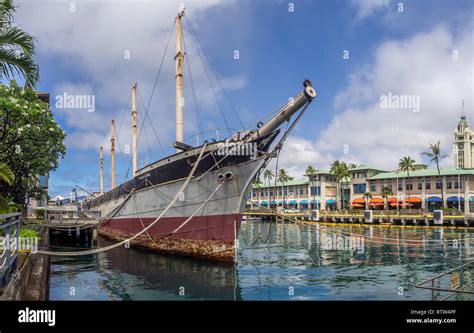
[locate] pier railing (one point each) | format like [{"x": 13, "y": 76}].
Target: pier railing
[
  {"x": 9, "y": 244},
  {"x": 457, "y": 281}
]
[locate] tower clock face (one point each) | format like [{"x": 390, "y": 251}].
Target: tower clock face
[{"x": 461, "y": 146}]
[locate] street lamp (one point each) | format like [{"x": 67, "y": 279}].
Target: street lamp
[
  {"x": 459, "y": 188},
  {"x": 398, "y": 207}
]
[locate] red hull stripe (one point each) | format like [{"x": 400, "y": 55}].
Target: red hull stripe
[{"x": 210, "y": 227}]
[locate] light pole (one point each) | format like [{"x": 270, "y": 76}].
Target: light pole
[
  {"x": 398, "y": 207},
  {"x": 459, "y": 189}
]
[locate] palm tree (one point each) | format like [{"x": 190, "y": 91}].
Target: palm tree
[
  {"x": 367, "y": 196},
  {"x": 311, "y": 173},
  {"x": 386, "y": 192},
  {"x": 258, "y": 185},
  {"x": 341, "y": 172},
  {"x": 268, "y": 176},
  {"x": 16, "y": 48},
  {"x": 434, "y": 152},
  {"x": 283, "y": 177},
  {"x": 6, "y": 174},
  {"x": 406, "y": 164}
]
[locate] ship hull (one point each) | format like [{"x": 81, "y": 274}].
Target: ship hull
[{"x": 211, "y": 231}]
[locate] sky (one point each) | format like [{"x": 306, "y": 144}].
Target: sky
[{"x": 355, "y": 52}]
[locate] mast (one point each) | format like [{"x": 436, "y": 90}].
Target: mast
[
  {"x": 134, "y": 128},
  {"x": 112, "y": 154},
  {"x": 179, "y": 81},
  {"x": 101, "y": 171}
]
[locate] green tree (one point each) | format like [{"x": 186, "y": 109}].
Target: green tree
[
  {"x": 434, "y": 153},
  {"x": 386, "y": 192},
  {"x": 16, "y": 48},
  {"x": 312, "y": 173},
  {"x": 7, "y": 177},
  {"x": 283, "y": 177},
  {"x": 406, "y": 164},
  {"x": 31, "y": 142},
  {"x": 340, "y": 170}
]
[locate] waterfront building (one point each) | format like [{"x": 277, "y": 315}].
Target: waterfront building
[{"x": 317, "y": 193}]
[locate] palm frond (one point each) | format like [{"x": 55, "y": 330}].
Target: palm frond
[
  {"x": 14, "y": 37},
  {"x": 6, "y": 174},
  {"x": 11, "y": 63}
]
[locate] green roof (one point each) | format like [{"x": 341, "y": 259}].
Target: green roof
[
  {"x": 364, "y": 167},
  {"x": 423, "y": 173},
  {"x": 289, "y": 183}
]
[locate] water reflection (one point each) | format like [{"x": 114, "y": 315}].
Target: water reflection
[{"x": 275, "y": 261}]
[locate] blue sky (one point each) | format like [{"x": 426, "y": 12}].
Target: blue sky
[{"x": 80, "y": 50}]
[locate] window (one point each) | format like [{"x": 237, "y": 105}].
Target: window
[
  {"x": 279, "y": 193},
  {"x": 301, "y": 191},
  {"x": 373, "y": 187},
  {"x": 409, "y": 186},
  {"x": 400, "y": 184},
  {"x": 457, "y": 185},
  {"x": 439, "y": 183},
  {"x": 254, "y": 193},
  {"x": 427, "y": 183},
  {"x": 420, "y": 183},
  {"x": 271, "y": 193},
  {"x": 316, "y": 190},
  {"x": 359, "y": 188}
]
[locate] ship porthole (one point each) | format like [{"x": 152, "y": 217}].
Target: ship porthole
[
  {"x": 229, "y": 175},
  {"x": 220, "y": 177}
]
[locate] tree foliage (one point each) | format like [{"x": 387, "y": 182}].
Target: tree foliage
[{"x": 31, "y": 142}]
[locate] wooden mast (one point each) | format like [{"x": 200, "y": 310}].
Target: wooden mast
[
  {"x": 134, "y": 128},
  {"x": 101, "y": 171},
  {"x": 112, "y": 154},
  {"x": 179, "y": 80}
]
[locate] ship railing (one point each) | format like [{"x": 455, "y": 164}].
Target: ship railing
[
  {"x": 9, "y": 244},
  {"x": 457, "y": 281}
]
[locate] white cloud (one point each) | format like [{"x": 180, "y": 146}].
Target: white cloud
[
  {"x": 366, "y": 8},
  {"x": 421, "y": 65}
]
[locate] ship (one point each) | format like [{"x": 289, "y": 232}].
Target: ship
[{"x": 191, "y": 203}]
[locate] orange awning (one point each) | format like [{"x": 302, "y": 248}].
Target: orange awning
[
  {"x": 377, "y": 204},
  {"x": 414, "y": 200},
  {"x": 357, "y": 205},
  {"x": 358, "y": 201},
  {"x": 376, "y": 200},
  {"x": 392, "y": 200}
]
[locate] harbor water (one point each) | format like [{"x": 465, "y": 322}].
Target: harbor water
[{"x": 276, "y": 261}]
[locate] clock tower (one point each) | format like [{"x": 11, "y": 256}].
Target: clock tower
[{"x": 463, "y": 146}]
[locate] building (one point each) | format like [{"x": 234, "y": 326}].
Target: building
[
  {"x": 422, "y": 190},
  {"x": 463, "y": 149},
  {"x": 319, "y": 192}
]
